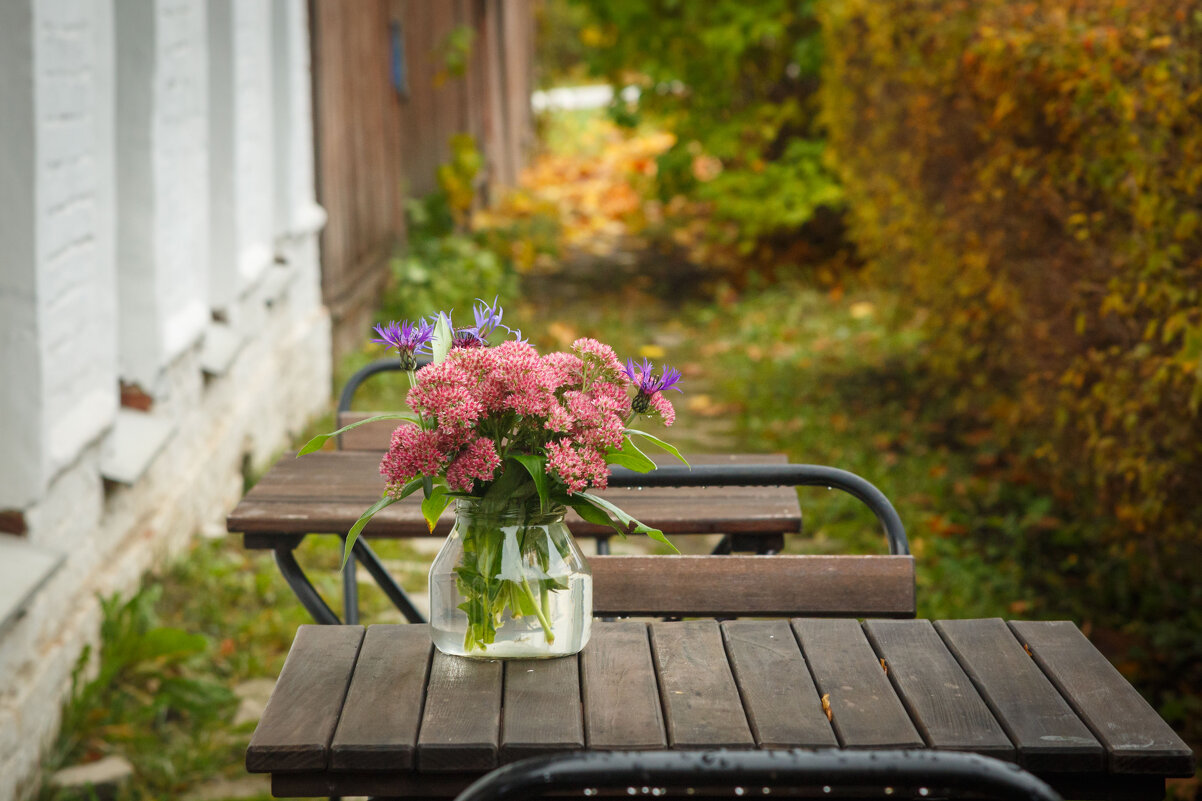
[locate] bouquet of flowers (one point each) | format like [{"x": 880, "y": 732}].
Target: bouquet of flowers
[{"x": 502, "y": 427}]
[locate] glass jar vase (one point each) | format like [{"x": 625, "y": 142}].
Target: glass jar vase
[{"x": 510, "y": 582}]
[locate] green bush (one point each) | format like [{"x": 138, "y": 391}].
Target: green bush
[
  {"x": 735, "y": 83},
  {"x": 442, "y": 267},
  {"x": 1029, "y": 174},
  {"x": 445, "y": 264}
]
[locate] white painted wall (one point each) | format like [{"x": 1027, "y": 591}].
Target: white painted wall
[
  {"x": 162, "y": 195},
  {"x": 253, "y": 159},
  {"x": 156, "y": 205},
  {"x": 57, "y": 295},
  {"x": 295, "y": 208}
]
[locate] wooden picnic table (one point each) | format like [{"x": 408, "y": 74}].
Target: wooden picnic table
[
  {"x": 378, "y": 711},
  {"x": 327, "y": 491}
]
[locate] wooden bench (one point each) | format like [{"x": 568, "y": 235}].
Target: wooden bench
[{"x": 754, "y": 586}]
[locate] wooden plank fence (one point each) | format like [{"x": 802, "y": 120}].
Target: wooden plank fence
[{"x": 385, "y": 108}]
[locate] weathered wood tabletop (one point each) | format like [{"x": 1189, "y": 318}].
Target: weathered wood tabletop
[
  {"x": 378, "y": 711},
  {"x": 325, "y": 492}
]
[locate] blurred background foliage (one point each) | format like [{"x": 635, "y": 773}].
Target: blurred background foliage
[
  {"x": 736, "y": 84},
  {"x": 1019, "y": 183}
]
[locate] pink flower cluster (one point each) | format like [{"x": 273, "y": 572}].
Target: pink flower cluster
[
  {"x": 463, "y": 456},
  {"x": 480, "y": 403}
]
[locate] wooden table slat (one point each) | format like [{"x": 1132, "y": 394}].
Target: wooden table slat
[
  {"x": 702, "y": 708},
  {"x": 943, "y": 703},
  {"x": 298, "y": 723},
  {"x": 1044, "y": 729},
  {"x": 619, "y": 689},
  {"x": 765, "y": 657},
  {"x": 1135, "y": 737},
  {"x": 383, "y": 709},
  {"x": 865, "y": 709},
  {"x": 462, "y": 720},
  {"x": 542, "y": 710},
  {"x": 327, "y": 491}
]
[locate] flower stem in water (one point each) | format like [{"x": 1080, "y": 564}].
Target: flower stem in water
[{"x": 538, "y": 610}]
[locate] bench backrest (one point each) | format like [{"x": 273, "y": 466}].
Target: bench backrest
[{"x": 754, "y": 586}]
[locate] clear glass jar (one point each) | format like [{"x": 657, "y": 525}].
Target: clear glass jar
[{"x": 510, "y": 581}]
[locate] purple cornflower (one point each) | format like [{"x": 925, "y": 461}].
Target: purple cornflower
[
  {"x": 488, "y": 319},
  {"x": 408, "y": 339},
  {"x": 648, "y": 383},
  {"x": 468, "y": 338}
]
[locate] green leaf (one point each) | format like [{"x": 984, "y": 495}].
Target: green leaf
[
  {"x": 365, "y": 518},
  {"x": 630, "y": 456},
  {"x": 594, "y": 515},
  {"x": 629, "y": 522},
  {"x": 434, "y": 505},
  {"x": 666, "y": 446},
  {"x": 316, "y": 443},
  {"x": 507, "y": 486},
  {"x": 536, "y": 466},
  {"x": 440, "y": 345}
]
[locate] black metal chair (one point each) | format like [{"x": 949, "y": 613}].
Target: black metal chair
[{"x": 727, "y": 773}]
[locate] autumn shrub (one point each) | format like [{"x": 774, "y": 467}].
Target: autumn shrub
[{"x": 1030, "y": 174}]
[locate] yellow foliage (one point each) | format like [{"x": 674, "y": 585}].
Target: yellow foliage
[
  {"x": 1030, "y": 173},
  {"x": 595, "y": 191}
]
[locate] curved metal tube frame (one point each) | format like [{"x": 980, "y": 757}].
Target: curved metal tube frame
[
  {"x": 870, "y": 773},
  {"x": 773, "y": 475},
  {"x": 365, "y": 372}
]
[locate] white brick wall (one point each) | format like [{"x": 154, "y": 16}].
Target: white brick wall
[
  {"x": 163, "y": 207},
  {"x": 253, "y": 184},
  {"x": 121, "y": 119},
  {"x": 56, "y": 294}
]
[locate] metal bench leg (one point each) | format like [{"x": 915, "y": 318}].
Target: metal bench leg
[
  {"x": 375, "y": 568},
  {"x": 303, "y": 588}
]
